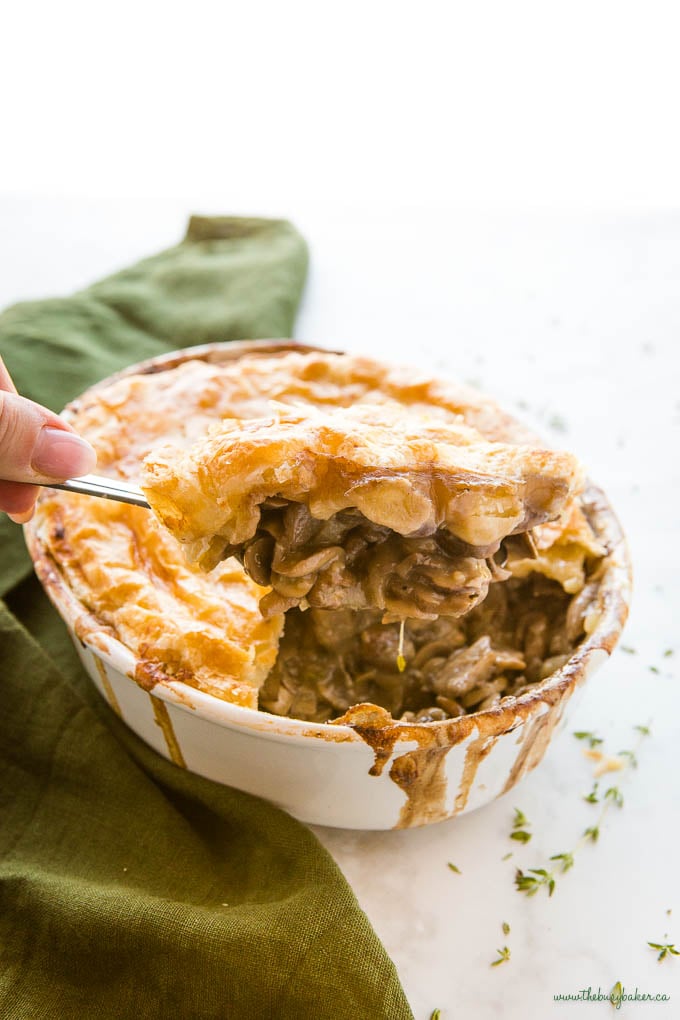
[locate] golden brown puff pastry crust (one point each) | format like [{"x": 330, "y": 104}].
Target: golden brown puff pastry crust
[
  {"x": 402, "y": 483},
  {"x": 129, "y": 417},
  {"x": 131, "y": 577}
]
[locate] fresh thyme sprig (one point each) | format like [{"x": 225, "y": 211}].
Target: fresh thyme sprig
[
  {"x": 503, "y": 956},
  {"x": 665, "y": 949},
  {"x": 531, "y": 881},
  {"x": 613, "y": 795}
]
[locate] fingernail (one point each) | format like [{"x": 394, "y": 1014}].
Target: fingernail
[
  {"x": 23, "y": 518},
  {"x": 61, "y": 454}
]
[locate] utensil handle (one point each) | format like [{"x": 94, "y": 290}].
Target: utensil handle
[{"x": 106, "y": 488}]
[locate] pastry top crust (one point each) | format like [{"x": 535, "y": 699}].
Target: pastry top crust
[
  {"x": 412, "y": 474},
  {"x": 129, "y": 417}
]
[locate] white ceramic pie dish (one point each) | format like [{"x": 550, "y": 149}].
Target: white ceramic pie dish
[{"x": 324, "y": 773}]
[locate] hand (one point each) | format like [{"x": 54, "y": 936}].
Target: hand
[{"x": 35, "y": 446}]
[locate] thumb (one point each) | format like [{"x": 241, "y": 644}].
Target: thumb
[{"x": 37, "y": 446}]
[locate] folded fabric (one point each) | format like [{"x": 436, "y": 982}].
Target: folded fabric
[{"x": 128, "y": 887}]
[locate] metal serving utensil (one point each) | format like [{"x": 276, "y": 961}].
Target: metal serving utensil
[{"x": 106, "y": 488}]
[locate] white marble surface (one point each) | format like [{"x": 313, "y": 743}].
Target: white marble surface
[{"x": 575, "y": 324}]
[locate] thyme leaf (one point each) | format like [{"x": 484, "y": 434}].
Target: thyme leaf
[
  {"x": 616, "y": 994},
  {"x": 614, "y": 795},
  {"x": 557, "y": 423},
  {"x": 665, "y": 949},
  {"x": 521, "y": 820},
  {"x": 592, "y": 738}
]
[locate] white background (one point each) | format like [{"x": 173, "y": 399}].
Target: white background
[
  {"x": 491, "y": 190},
  {"x": 258, "y": 104}
]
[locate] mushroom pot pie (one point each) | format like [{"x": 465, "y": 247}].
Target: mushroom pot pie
[{"x": 354, "y": 535}]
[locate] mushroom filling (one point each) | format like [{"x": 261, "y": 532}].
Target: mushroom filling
[
  {"x": 330, "y": 660},
  {"x": 349, "y": 562}
]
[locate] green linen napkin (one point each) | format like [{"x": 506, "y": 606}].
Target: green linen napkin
[{"x": 128, "y": 887}]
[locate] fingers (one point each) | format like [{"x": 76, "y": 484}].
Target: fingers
[
  {"x": 6, "y": 379},
  {"x": 35, "y": 446},
  {"x": 17, "y": 500}
]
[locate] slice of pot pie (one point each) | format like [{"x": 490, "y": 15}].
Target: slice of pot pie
[{"x": 366, "y": 507}]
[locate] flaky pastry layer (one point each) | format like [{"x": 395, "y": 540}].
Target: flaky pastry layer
[{"x": 181, "y": 624}]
